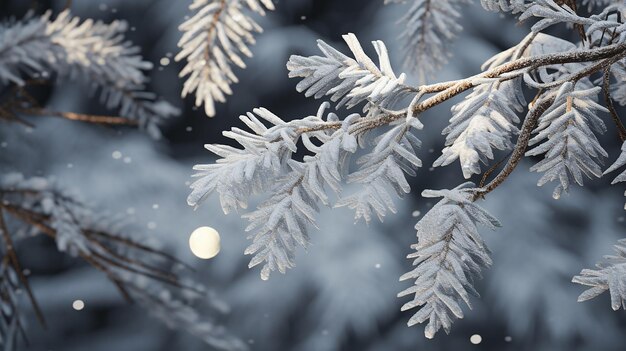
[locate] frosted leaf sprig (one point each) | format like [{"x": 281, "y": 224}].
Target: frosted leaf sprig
[
  {"x": 487, "y": 119},
  {"x": 449, "y": 255},
  {"x": 281, "y": 223},
  {"x": 216, "y": 39},
  {"x": 610, "y": 275},
  {"x": 349, "y": 81},
  {"x": 383, "y": 171},
  {"x": 429, "y": 28},
  {"x": 566, "y": 138},
  {"x": 504, "y": 5}
]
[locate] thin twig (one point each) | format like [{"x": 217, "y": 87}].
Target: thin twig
[
  {"x": 520, "y": 148},
  {"x": 138, "y": 246},
  {"x": 95, "y": 119},
  {"x": 621, "y": 130},
  {"x": 491, "y": 170}
]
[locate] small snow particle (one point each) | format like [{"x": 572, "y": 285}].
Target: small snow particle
[{"x": 78, "y": 305}]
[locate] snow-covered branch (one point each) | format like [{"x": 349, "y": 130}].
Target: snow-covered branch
[
  {"x": 38, "y": 206},
  {"x": 560, "y": 124}
]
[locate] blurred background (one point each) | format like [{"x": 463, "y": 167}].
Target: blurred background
[{"x": 342, "y": 294}]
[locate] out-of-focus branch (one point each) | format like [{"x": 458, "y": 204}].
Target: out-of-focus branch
[{"x": 81, "y": 117}]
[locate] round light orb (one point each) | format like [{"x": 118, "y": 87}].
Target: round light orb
[
  {"x": 476, "y": 339},
  {"x": 78, "y": 305},
  {"x": 204, "y": 242}
]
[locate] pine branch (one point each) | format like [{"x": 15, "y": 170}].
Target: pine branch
[
  {"x": 346, "y": 80},
  {"x": 565, "y": 136},
  {"x": 449, "y": 252},
  {"x": 93, "y": 52},
  {"x": 38, "y": 205}
]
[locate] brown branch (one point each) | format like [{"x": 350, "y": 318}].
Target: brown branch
[
  {"x": 451, "y": 89},
  {"x": 491, "y": 170},
  {"x": 520, "y": 148},
  {"x": 211, "y": 29},
  {"x": 135, "y": 245},
  {"x": 95, "y": 119},
  {"x": 621, "y": 130},
  {"x": 124, "y": 263}
]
